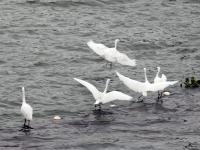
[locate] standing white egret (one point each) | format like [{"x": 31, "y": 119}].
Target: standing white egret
[
  {"x": 26, "y": 110},
  {"x": 103, "y": 97},
  {"x": 111, "y": 54}
]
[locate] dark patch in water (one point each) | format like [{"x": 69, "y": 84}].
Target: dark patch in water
[
  {"x": 40, "y": 64},
  {"x": 186, "y": 50}
]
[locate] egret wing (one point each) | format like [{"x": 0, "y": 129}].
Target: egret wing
[
  {"x": 97, "y": 48},
  {"x": 125, "y": 60},
  {"x": 115, "y": 95},
  {"x": 132, "y": 84},
  {"x": 161, "y": 85},
  {"x": 90, "y": 87},
  {"x": 157, "y": 79},
  {"x": 163, "y": 77}
]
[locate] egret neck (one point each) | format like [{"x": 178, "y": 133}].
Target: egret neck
[
  {"x": 106, "y": 88},
  {"x": 116, "y": 41},
  {"x": 23, "y": 95}
]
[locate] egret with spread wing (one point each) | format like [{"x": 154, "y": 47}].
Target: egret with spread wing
[
  {"x": 103, "y": 97},
  {"x": 144, "y": 87},
  {"x": 158, "y": 79},
  {"x": 136, "y": 86},
  {"x": 111, "y": 54}
]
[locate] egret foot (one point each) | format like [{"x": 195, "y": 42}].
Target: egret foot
[
  {"x": 160, "y": 95},
  {"x": 25, "y": 126}
]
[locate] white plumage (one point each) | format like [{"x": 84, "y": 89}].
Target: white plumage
[
  {"x": 166, "y": 93},
  {"x": 103, "y": 97},
  {"x": 136, "y": 86},
  {"x": 161, "y": 86},
  {"x": 158, "y": 79},
  {"x": 144, "y": 87},
  {"x": 26, "y": 109},
  {"x": 111, "y": 54}
]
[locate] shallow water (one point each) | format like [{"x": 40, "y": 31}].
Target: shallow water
[{"x": 43, "y": 46}]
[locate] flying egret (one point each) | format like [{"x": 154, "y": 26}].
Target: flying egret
[
  {"x": 26, "y": 110},
  {"x": 103, "y": 97},
  {"x": 111, "y": 54}
]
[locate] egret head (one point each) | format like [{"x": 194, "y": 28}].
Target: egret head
[
  {"x": 108, "y": 81},
  {"x": 117, "y": 40},
  {"x": 23, "y": 89},
  {"x": 158, "y": 68}
]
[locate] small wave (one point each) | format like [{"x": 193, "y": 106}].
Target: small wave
[
  {"x": 66, "y": 3},
  {"x": 193, "y": 1},
  {"x": 186, "y": 50},
  {"x": 197, "y": 57}
]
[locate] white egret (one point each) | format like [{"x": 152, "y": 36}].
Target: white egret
[
  {"x": 103, "y": 97},
  {"x": 136, "y": 86},
  {"x": 144, "y": 87},
  {"x": 111, "y": 54},
  {"x": 26, "y": 110},
  {"x": 158, "y": 79}
]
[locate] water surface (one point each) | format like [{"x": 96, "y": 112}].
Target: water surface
[{"x": 43, "y": 47}]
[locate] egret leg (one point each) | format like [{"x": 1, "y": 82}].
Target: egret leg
[
  {"x": 106, "y": 63},
  {"x": 29, "y": 125},
  {"x": 99, "y": 107},
  {"x": 24, "y": 123},
  {"x": 160, "y": 96}
]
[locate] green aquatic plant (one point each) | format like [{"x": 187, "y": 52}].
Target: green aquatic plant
[{"x": 191, "y": 82}]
